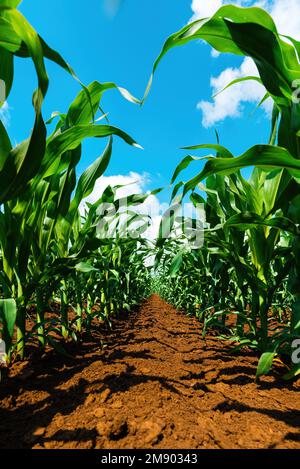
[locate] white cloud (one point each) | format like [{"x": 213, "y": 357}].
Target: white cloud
[
  {"x": 5, "y": 114},
  {"x": 204, "y": 8},
  {"x": 215, "y": 53},
  {"x": 286, "y": 14},
  {"x": 231, "y": 102}
]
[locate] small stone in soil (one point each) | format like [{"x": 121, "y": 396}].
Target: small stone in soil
[
  {"x": 105, "y": 395},
  {"x": 90, "y": 399},
  {"x": 153, "y": 430},
  {"x": 39, "y": 431},
  {"x": 117, "y": 405},
  {"x": 145, "y": 371},
  {"x": 99, "y": 412},
  {"x": 114, "y": 430}
]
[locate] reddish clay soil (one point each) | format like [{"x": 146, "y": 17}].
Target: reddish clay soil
[{"x": 157, "y": 384}]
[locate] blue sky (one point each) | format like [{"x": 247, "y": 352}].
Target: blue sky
[{"x": 122, "y": 49}]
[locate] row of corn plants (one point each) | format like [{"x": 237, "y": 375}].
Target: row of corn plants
[
  {"x": 249, "y": 264},
  {"x": 56, "y": 255}
]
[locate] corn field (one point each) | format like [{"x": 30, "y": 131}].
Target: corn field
[
  {"x": 52, "y": 252},
  {"x": 249, "y": 264},
  {"x": 55, "y": 256}
]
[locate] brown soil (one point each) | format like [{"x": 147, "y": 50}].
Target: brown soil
[{"x": 157, "y": 384}]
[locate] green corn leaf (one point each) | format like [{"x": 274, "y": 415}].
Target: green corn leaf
[
  {"x": 5, "y": 145},
  {"x": 295, "y": 319},
  {"x": 266, "y": 157},
  {"x": 85, "y": 106},
  {"x": 89, "y": 177},
  {"x": 295, "y": 371},
  {"x": 176, "y": 265},
  {"x": 32, "y": 41},
  {"x": 9, "y": 3},
  {"x": 72, "y": 138},
  {"x": 247, "y": 220},
  {"x": 9, "y": 39},
  {"x": 6, "y": 70},
  {"x": 22, "y": 163},
  {"x": 238, "y": 80},
  {"x": 86, "y": 268},
  {"x": 183, "y": 165},
  {"x": 8, "y": 316},
  {"x": 219, "y": 148},
  {"x": 265, "y": 364}
]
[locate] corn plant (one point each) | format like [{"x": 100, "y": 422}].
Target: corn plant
[{"x": 19, "y": 165}]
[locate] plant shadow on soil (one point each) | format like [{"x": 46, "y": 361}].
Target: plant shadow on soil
[{"x": 157, "y": 384}]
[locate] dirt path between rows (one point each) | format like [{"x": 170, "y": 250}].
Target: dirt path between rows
[{"x": 157, "y": 384}]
